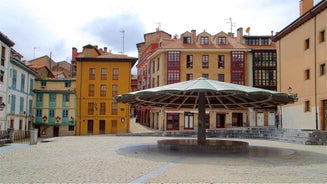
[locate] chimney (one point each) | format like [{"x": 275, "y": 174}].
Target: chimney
[
  {"x": 305, "y": 5},
  {"x": 240, "y": 35},
  {"x": 193, "y": 31},
  {"x": 105, "y": 49},
  {"x": 74, "y": 54}
]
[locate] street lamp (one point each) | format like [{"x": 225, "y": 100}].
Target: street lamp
[{"x": 2, "y": 106}]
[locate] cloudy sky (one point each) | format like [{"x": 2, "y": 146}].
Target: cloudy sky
[{"x": 39, "y": 27}]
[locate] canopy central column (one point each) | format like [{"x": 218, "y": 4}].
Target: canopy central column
[{"x": 201, "y": 118}]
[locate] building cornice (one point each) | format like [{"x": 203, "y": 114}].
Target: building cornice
[{"x": 313, "y": 12}]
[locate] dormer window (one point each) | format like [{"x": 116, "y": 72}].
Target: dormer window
[
  {"x": 204, "y": 40},
  {"x": 222, "y": 41},
  {"x": 187, "y": 39},
  {"x": 88, "y": 52}
]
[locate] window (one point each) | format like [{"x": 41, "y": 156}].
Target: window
[
  {"x": 91, "y": 73},
  {"x": 188, "y": 120},
  {"x": 221, "y": 77},
  {"x": 173, "y": 76},
  {"x": 114, "y": 90},
  {"x": 114, "y": 108},
  {"x": 205, "y": 75},
  {"x": 31, "y": 85},
  {"x": 221, "y": 61},
  {"x": 66, "y": 97},
  {"x": 158, "y": 80},
  {"x": 307, "y": 44},
  {"x": 102, "y": 108},
  {"x": 158, "y": 64},
  {"x": 173, "y": 58},
  {"x": 307, "y": 106},
  {"x": 22, "y": 82},
  {"x": 189, "y": 61},
  {"x": 13, "y": 104},
  {"x": 3, "y": 55},
  {"x": 51, "y": 113},
  {"x": 189, "y": 76},
  {"x": 264, "y": 41},
  {"x": 222, "y": 41},
  {"x": 91, "y": 89},
  {"x": 187, "y": 39},
  {"x": 90, "y": 108},
  {"x": 115, "y": 74},
  {"x": 220, "y": 120},
  {"x": 38, "y": 112},
  {"x": 153, "y": 66},
  {"x": 2, "y": 74},
  {"x": 103, "y": 74},
  {"x": 14, "y": 78},
  {"x": 65, "y": 113},
  {"x": 237, "y": 70},
  {"x": 52, "y": 97},
  {"x": 205, "y": 61},
  {"x": 323, "y": 69},
  {"x": 307, "y": 74},
  {"x": 322, "y": 36},
  {"x": 103, "y": 90},
  {"x": 43, "y": 83},
  {"x": 21, "y": 105},
  {"x": 39, "y": 98},
  {"x": 67, "y": 84},
  {"x": 204, "y": 40}
]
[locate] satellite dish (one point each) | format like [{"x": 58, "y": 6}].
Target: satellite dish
[{"x": 247, "y": 30}]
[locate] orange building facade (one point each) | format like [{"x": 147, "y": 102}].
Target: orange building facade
[{"x": 101, "y": 75}]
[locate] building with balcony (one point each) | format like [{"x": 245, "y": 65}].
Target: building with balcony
[
  {"x": 244, "y": 60},
  {"x": 55, "y": 106},
  {"x": 100, "y": 76}
]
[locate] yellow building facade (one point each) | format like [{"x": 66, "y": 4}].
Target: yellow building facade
[
  {"x": 302, "y": 60},
  {"x": 101, "y": 75},
  {"x": 54, "y": 107}
]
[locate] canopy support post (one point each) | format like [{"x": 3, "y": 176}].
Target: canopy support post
[{"x": 201, "y": 119}]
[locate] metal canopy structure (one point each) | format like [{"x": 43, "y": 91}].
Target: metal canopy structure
[{"x": 202, "y": 93}]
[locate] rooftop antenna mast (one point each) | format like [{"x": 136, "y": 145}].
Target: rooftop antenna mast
[
  {"x": 123, "y": 32},
  {"x": 232, "y": 24},
  {"x": 159, "y": 26},
  {"x": 34, "y": 48}
]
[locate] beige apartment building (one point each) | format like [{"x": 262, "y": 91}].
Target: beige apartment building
[
  {"x": 302, "y": 59},
  {"x": 244, "y": 60}
]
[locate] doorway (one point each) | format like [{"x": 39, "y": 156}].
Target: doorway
[
  {"x": 237, "y": 119},
  {"x": 102, "y": 127},
  {"x": 113, "y": 126},
  {"x": 324, "y": 114},
  {"x": 90, "y": 126},
  {"x": 172, "y": 121},
  {"x": 260, "y": 119},
  {"x": 220, "y": 120},
  {"x": 55, "y": 131}
]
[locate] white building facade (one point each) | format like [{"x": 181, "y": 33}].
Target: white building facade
[
  {"x": 19, "y": 108},
  {"x": 5, "y": 44}
]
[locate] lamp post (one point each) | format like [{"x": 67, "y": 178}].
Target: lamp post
[{"x": 2, "y": 106}]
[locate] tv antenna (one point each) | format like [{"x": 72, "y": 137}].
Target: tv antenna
[
  {"x": 232, "y": 24},
  {"x": 159, "y": 26},
  {"x": 123, "y": 32}
]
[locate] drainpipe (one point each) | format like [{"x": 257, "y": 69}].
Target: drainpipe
[
  {"x": 280, "y": 81},
  {"x": 315, "y": 68}
]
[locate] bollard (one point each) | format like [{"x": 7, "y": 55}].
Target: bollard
[
  {"x": 11, "y": 133},
  {"x": 33, "y": 136}
]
